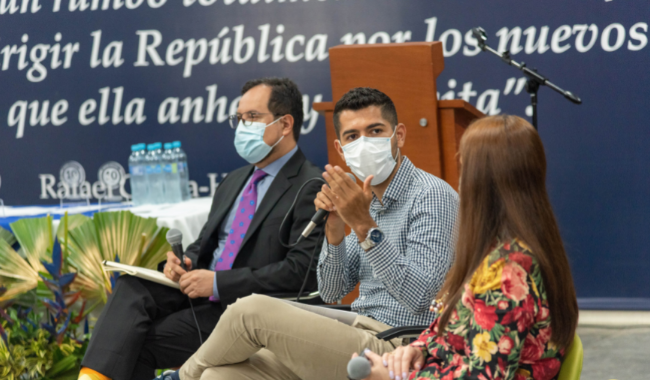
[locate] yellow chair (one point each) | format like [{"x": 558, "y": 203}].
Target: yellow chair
[{"x": 572, "y": 365}]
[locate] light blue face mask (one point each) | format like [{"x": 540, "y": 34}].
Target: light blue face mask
[{"x": 249, "y": 141}]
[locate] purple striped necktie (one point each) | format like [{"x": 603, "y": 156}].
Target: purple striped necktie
[{"x": 243, "y": 219}]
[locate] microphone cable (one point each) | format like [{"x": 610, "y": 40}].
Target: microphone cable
[
  {"x": 198, "y": 329},
  {"x": 319, "y": 242},
  {"x": 293, "y": 206},
  {"x": 300, "y": 238},
  {"x": 196, "y": 321}
]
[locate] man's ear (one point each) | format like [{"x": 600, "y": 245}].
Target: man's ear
[
  {"x": 287, "y": 125},
  {"x": 400, "y": 134},
  {"x": 339, "y": 149}
]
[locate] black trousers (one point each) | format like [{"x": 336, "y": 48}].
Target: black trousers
[{"x": 147, "y": 326}]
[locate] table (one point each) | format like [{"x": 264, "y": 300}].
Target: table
[{"x": 188, "y": 217}]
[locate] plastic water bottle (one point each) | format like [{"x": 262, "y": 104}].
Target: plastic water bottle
[
  {"x": 154, "y": 174},
  {"x": 172, "y": 176},
  {"x": 137, "y": 170},
  {"x": 181, "y": 158}
]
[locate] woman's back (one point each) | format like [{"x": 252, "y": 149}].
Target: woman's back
[
  {"x": 503, "y": 296},
  {"x": 500, "y": 328}
]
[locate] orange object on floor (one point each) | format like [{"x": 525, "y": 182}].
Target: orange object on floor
[{"x": 89, "y": 374}]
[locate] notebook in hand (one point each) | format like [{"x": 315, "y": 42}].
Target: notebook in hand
[{"x": 144, "y": 273}]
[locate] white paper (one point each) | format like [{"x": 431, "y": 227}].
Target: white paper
[{"x": 144, "y": 273}]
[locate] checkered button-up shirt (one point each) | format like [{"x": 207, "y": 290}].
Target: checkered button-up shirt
[{"x": 401, "y": 275}]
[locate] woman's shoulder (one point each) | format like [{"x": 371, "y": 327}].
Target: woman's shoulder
[
  {"x": 510, "y": 268},
  {"x": 512, "y": 252}
]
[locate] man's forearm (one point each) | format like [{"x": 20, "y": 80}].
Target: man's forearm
[{"x": 335, "y": 235}]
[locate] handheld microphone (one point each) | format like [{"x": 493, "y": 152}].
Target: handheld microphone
[
  {"x": 320, "y": 215},
  {"x": 359, "y": 367},
  {"x": 175, "y": 239}
]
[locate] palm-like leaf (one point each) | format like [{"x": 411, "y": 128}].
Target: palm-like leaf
[
  {"x": 7, "y": 236},
  {"x": 85, "y": 256},
  {"x": 19, "y": 270},
  {"x": 156, "y": 250},
  {"x": 111, "y": 236},
  {"x": 68, "y": 222},
  {"x": 36, "y": 241},
  {"x": 16, "y": 274},
  {"x": 121, "y": 234}
]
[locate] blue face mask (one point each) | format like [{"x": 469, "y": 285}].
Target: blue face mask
[{"x": 249, "y": 141}]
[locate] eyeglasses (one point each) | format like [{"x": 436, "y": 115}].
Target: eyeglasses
[{"x": 248, "y": 118}]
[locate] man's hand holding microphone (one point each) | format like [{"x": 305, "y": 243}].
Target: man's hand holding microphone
[
  {"x": 347, "y": 203},
  {"x": 194, "y": 283}
]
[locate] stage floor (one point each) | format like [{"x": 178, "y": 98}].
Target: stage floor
[{"x": 619, "y": 352}]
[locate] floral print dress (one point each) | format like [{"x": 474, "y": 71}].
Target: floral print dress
[{"x": 500, "y": 329}]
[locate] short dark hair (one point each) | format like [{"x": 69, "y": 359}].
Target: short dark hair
[
  {"x": 364, "y": 97},
  {"x": 285, "y": 99}
]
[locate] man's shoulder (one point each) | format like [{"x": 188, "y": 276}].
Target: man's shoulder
[
  {"x": 307, "y": 168},
  {"x": 311, "y": 170},
  {"x": 427, "y": 183}
]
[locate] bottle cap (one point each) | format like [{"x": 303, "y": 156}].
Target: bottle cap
[
  {"x": 135, "y": 148},
  {"x": 176, "y": 144},
  {"x": 168, "y": 146}
]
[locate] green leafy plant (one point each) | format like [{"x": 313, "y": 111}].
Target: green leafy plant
[
  {"x": 45, "y": 286},
  {"x": 112, "y": 236},
  {"x": 44, "y": 344}
]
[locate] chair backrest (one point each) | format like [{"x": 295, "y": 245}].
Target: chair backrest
[{"x": 572, "y": 365}]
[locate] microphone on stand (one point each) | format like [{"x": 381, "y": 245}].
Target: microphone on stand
[
  {"x": 320, "y": 215},
  {"x": 481, "y": 36},
  {"x": 175, "y": 239},
  {"x": 359, "y": 367}
]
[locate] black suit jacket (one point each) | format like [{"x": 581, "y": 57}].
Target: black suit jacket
[{"x": 263, "y": 265}]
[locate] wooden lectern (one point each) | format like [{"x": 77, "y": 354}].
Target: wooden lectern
[{"x": 407, "y": 73}]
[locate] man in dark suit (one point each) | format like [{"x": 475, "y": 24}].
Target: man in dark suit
[{"x": 146, "y": 326}]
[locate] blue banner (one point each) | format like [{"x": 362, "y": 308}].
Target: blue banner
[{"x": 82, "y": 80}]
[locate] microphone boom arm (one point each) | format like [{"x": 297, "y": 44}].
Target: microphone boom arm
[{"x": 535, "y": 79}]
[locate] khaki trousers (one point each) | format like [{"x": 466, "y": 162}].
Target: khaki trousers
[{"x": 259, "y": 337}]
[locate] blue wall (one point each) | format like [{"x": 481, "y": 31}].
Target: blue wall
[{"x": 599, "y": 161}]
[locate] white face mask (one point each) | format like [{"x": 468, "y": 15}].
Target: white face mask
[{"x": 371, "y": 156}]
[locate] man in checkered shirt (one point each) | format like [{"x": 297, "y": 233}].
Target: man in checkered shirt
[
  {"x": 400, "y": 249},
  {"x": 414, "y": 211}
]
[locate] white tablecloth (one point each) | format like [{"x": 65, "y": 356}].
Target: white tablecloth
[{"x": 188, "y": 217}]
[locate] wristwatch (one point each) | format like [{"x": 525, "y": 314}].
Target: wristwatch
[{"x": 374, "y": 237}]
